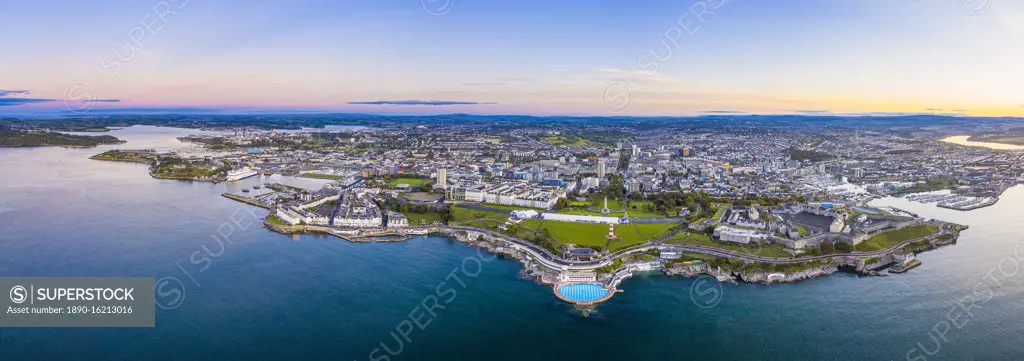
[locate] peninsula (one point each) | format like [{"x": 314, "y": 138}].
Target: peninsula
[
  {"x": 39, "y": 138},
  {"x": 584, "y": 206}
]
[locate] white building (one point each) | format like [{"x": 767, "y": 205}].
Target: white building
[
  {"x": 591, "y": 182},
  {"x": 359, "y": 222},
  {"x": 525, "y": 214},
  {"x": 289, "y": 216},
  {"x": 670, "y": 254},
  {"x": 442, "y": 177},
  {"x": 739, "y": 235},
  {"x": 577, "y": 277},
  {"x": 579, "y": 218},
  {"x": 397, "y": 220}
]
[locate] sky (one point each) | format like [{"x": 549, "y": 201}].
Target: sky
[{"x": 550, "y": 57}]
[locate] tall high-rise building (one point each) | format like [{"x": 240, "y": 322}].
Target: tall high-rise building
[
  {"x": 442, "y": 177},
  {"x": 636, "y": 150},
  {"x": 601, "y": 171}
]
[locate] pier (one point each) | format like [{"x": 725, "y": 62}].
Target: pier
[{"x": 246, "y": 200}]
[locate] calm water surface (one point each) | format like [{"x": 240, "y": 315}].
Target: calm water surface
[
  {"x": 963, "y": 140},
  {"x": 269, "y": 296}
]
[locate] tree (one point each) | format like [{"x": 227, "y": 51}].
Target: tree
[
  {"x": 844, "y": 247},
  {"x": 561, "y": 203},
  {"x": 826, "y": 248}
]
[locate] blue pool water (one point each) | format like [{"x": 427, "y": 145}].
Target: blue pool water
[{"x": 583, "y": 292}]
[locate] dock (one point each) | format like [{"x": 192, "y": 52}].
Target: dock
[{"x": 246, "y": 200}]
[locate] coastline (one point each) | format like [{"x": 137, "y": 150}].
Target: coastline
[
  {"x": 152, "y": 162},
  {"x": 537, "y": 269},
  {"x": 539, "y": 266}
]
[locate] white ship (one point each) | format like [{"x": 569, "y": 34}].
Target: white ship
[{"x": 239, "y": 174}]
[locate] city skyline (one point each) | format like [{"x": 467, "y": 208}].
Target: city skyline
[{"x": 658, "y": 58}]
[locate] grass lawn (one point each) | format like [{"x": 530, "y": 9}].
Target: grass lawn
[
  {"x": 632, "y": 213},
  {"x": 615, "y": 205},
  {"x": 273, "y": 219},
  {"x": 582, "y": 234},
  {"x": 771, "y": 250},
  {"x": 635, "y": 234},
  {"x": 585, "y": 212},
  {"x": 720, "y": 209},
  {"x": 412, "y": 182},
  {"x": 641, "y": 212},
  {"x": 508, "y": 208},
  {"x": 474, "y": 218},
  {"x": 565, "y": 140},
  {"x": 423, "y": 219},
  {"x": 891, "y": 238},
  {"x": 321, "y": 176},
  {"x": 591, "y": 234}
]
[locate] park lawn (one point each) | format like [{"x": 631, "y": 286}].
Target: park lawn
[
  {"x": 618, "y": 214},
  {"x": 474, "y": 218},
  {"x": 423, "y": 219},
  {"x": 595, "y": 234},
  {"x": 412, "y": 182},
  {"x": 771, "y": 250},
  {"x": 565, "y": 140},
  {"x": 581, "y": 234},
  {"x": 640, "y": 213},
  {"x": 508, "y": 208},
  {"x": 613, "y": 204},
  {"x": 636, "y": 234},
  {"x": 889, "y": 239},
  {"x": 321, "y": 176},
  {"x": 275, "y": 220},
  {"x": 584, "y": 212}
]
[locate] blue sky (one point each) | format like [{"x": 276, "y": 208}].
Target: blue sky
[{"x": 516, "y": 57}]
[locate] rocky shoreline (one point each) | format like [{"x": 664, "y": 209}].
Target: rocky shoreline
[{"x": 532, "y": 271}]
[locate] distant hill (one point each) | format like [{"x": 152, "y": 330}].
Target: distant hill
[
  {"x": 733, "y": 123},
  {"x": 22, "y": 138}
]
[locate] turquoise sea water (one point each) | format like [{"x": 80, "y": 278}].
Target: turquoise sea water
[{"x": 269, "y": 296}]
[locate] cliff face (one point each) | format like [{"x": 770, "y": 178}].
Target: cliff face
[
  {"x": 859, "y": 265},
  {"x": 790, "y": 277}
]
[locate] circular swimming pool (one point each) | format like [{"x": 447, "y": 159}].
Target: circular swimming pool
[{"x": 582, "y": 292}]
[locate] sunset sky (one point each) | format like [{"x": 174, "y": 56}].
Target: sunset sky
[{"x": 576, "y": 57}]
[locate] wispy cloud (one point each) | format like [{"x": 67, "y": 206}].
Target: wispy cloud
[
  {"x": 418, "y": 102},
  {"x": 719, "y": 112},
  {"x": 811, "y": 111},
  {"x": 10, "y": 102},
  {"x": 4, "y": 93},
  {"x": 6, "y": 101}
]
